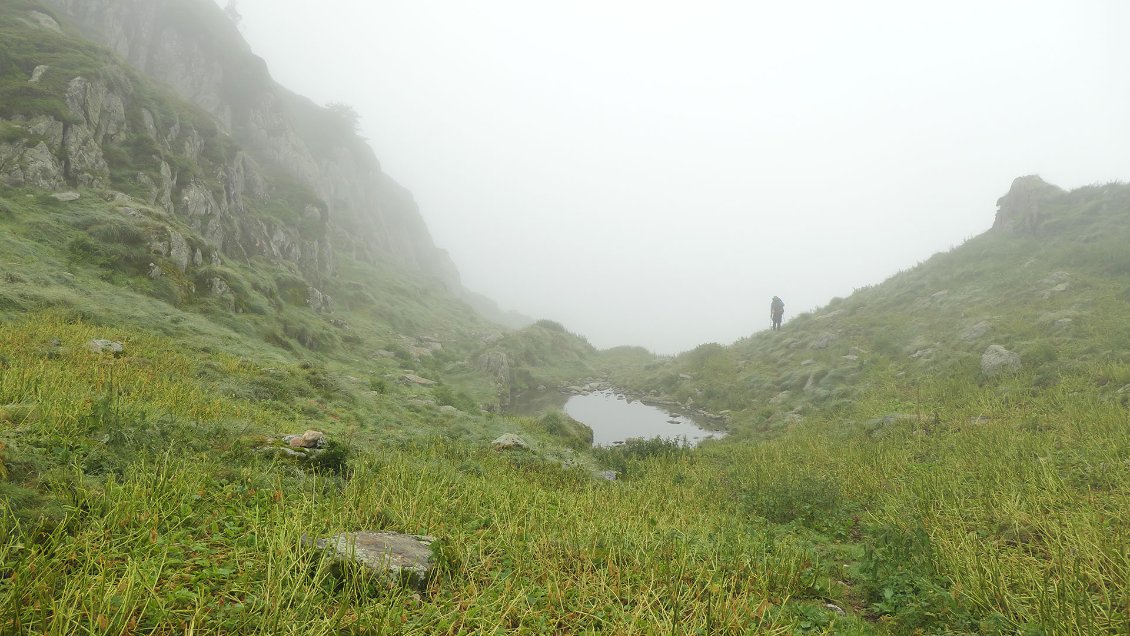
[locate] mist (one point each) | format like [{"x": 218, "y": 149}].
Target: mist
[{"x": 653, "y": 173}]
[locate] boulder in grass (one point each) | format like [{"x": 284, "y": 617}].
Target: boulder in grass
[
  {"x": 996, "y": 360},
  {"x": 509, "y": 441},
  {"x": 403, "y": 557},
  {"x": 309, "y": 439},
  {"x": 106, "y": 346}
]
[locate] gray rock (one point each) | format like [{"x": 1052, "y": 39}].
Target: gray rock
[
  {"x": 106, "y": 346},
  {"x": 976, "y": 331},
  {"x": 155, "y": 272},
  {"x": 66, "y": 197},
  {"x": 509, "y": 441},
  {"x": 178, "y": 250},
  {"x": 447, "y": 409},
  {"x": 411, "y": 378},
  {"x": 996, "y": 360},
  {"x": 406, "y": 557},
  {"x": 1022, "y": 210},
  {"x": 317, "y": 301},
  {"x": 685, "y": 376},
  {"x": 607, "y": 475}
]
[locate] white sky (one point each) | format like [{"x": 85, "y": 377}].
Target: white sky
[{"x": 652, "y": 173}]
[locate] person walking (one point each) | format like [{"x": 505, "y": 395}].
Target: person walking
[{"x": 776, "y": 312}]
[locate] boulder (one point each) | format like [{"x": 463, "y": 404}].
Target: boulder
[
  {"x": 996, "y": 360},
  {"x": 65, "y": 197},
  {"x": 309, "y": 439},
  {"x": 403, "y": 557},
  {"x": 509, "y": 441}
]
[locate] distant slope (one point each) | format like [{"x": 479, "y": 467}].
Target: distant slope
[{"x": 1050, "y": 282}]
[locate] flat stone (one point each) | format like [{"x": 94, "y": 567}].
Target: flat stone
[
  {"x": 407, "y": 557},
  {"x": 412, "y": 378},
  {"x": 65, "y": 196}
]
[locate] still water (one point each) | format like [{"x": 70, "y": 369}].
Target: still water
[{"x": 614, "y": 418}]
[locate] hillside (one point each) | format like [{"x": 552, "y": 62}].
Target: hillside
[
  {"x": 195, "y": 263},
  {"x": 1048, "y": 282}
]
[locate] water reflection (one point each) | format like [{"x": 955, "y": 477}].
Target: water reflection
[{"x": 614, "y": 418}]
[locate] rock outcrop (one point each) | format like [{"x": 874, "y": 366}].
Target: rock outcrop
[
  {"x": 1022, "y": 210},
  {"x": 204, "y": 59}
]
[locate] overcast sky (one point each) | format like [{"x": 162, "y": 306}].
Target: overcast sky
[{"x": 652, "y": 173}]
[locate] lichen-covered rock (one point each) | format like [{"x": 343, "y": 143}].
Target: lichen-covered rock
[{"x": 406, "y": 557}]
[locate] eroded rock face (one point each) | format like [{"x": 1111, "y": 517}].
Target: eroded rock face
[
  {"x": 497, "y": 364},
  {"x": 1021, "y": 211}
]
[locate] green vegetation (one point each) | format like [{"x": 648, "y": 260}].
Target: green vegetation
[{"x": 874, "y": 479}]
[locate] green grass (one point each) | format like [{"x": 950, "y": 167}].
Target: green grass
[{"x": 869, "y": 467}]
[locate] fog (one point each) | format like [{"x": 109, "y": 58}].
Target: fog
[{"x": 652, "y": 173}]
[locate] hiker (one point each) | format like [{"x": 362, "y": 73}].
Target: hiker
[{"x": 776, "y": 311}]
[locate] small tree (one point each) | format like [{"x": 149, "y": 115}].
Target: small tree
[{"x": 345, "y": 117}]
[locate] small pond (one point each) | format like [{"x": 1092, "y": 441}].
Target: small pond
[{"x": 613, "y": 418}]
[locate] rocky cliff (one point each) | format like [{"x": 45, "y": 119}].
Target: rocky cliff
[{"x": 347, "y": 200}]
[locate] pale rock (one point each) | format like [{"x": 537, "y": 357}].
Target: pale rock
[
  {"x": 178, "y": 250},
  {"x": 996, "y": 360},
  {"x": 44, "y": 21},
  {"x": 509, "y": 441},
  {"x": 402, "y": 557},
  {"x": 105, "y": 346},
  {"x": 411, "y": 378},
  {"x": 37, "y": 74},
  {"x": 309, "y": 439}
]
